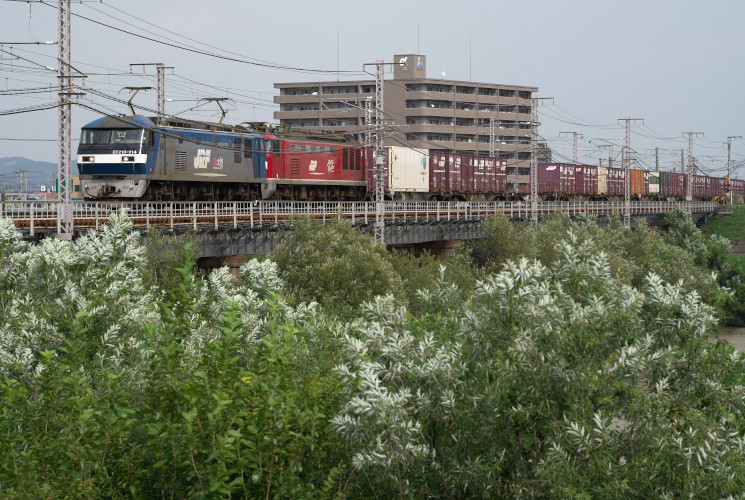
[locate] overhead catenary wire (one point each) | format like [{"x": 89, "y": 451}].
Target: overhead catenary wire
[{"x": 206, "y": 53}]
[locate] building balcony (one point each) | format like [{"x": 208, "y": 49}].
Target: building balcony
[
  {"x": 296, "y": 99},
  {"x": 429, "y": 112},
  {"x": 294, "y": 115},
  {"x": 466, "y": 113},
  {"x": 427, "y": 128}
]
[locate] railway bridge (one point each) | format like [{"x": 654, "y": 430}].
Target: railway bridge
[{"x": 228, "y": 229}]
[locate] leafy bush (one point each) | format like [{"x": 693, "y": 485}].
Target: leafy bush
[
  {"x": 554, "y": 375},
  {"x": 335, "y": 265}
]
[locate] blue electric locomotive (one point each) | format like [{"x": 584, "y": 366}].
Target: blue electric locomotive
[{"x": 139, "y": 158}]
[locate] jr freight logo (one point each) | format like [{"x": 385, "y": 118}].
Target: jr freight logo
[{"x": 203, "y": 158}]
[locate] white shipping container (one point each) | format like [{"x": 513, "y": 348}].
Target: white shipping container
[
  {"x": 602, "y": 180},
  {"x": 408, "y": 170}
]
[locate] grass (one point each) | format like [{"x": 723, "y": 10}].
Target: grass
[{"x": 731, "y": 227}]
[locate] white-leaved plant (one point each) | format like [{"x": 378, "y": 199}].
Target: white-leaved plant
[
  {"x": 101, "y": 277},
  {"x": 552, "y": 377}
]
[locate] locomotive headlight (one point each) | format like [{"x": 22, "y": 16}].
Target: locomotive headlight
[
  {"x": 89, "y": 159},
  {"x": 128, "y": 158}
]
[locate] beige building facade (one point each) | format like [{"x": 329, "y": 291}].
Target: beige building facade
[{"x": 420, "y": 112}]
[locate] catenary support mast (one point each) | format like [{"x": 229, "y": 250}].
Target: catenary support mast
[
  {"x": 64, "y": 113},
  {"x": 379, "y": 229},
  {"x": 627, "y": 171},
  {"x": 691, "y": 169}
]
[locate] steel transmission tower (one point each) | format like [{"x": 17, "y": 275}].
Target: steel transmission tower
[
  {"x": 691, "y": 169},
  {"x": 379, "y": 230},
  {"x": 64, "y": 172},
  {"x": 627, "y": 170}
]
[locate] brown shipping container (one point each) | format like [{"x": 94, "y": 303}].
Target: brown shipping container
[
  {"x": 638, "y": 186},
  {"x": 672, "y": 185},
  {"x": 438, "y": 172}
]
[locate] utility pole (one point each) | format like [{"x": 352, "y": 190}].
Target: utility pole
[
  {"x": 21, "y": 174},
  {"x": 64, "y": 74},
  {"x": 627, "y": 170},
  {"x": 682, "y": 161},
  {"x": 691, "y": 169},
  {"x": 160, "y": 69},
  {"x": 729, "y": 166},
  {"x": 492, "y": 137},
  {"x": 657, "y": 159},
  {"x": 577, "y": 136},
  {"x": 379, "y": 230}
]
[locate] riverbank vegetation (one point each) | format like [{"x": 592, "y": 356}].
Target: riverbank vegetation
[{"x": 564, "y": 361}]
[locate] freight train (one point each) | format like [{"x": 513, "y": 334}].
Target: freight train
[{"x": 139, "y": 158}]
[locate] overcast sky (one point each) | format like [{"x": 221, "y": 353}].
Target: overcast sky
[{"x": 676, "y": 63}]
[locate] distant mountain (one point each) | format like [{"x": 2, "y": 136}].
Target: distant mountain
[{"x": 37, "y": 172}]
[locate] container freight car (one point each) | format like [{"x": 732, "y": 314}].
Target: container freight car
[
  {"x": 706, "y": 188},
  {"x": 466, "y": 177},
  {"x": 407, "y": 172},
  {"x": 654, "y": 184},
  {"x": 615, "y": 184},
  {"x": 567, "y": 181},
  {"x": 672, "y": 186},
  {"x": 639, "y": 183}
]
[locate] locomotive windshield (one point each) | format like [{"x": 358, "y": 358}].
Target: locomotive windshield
[{"x": 115, "y": 137}]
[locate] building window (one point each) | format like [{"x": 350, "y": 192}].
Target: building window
[
  {"x": 299, "y": 91},
  {"x": 460, "y": 89},
  {"x": 524, "y": 94},
  {"x": 429, "y": 104},
  {"x": 466, "y": 106},
  {"x": 335, "y": 122},
  {"x": 340, "y": 90},
  {"x": 309, "y": 122},
  {"x": 506, "y": 93},
  {"x": 483, "y": 91},
  {"x": 306, "y": 106}
]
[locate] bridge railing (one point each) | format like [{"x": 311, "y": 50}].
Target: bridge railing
[{"x": 34, "y": 215}]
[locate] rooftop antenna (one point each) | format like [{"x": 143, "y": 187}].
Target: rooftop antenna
[
  {"x": 134, "y": 91},
  {"x": 443, "y": 74},
  {"x": 218, "y": 100}
]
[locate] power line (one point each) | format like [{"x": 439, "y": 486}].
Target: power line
[{"x": 205, "y": 53}]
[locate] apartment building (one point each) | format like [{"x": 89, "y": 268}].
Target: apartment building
[{"x": 420, "y": 112}]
